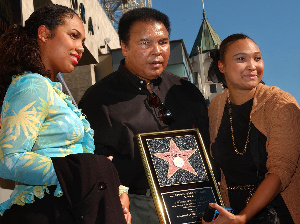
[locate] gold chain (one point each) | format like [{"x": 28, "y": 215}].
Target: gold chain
[
  {"x": 231, "y": 127},
  {"x": 250, "y": 188}
]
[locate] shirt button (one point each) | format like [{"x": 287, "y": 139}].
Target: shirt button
[
  {"x": 81, "y": 221},
  {"x": 102, "y": 186},
  {"x": 141, "y": 82},
  {"x": 140, "y": 88}
]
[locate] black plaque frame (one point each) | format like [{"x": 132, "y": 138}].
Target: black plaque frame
[{"x": 180, "y": 191}]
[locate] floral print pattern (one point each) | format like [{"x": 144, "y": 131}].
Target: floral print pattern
[{"x": 38, "y": 122}]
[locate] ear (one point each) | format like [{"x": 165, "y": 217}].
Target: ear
[
  {"x": 124, "y": 48},
  {"x": 43, "y": 33},
  {"x": 221, "y": 67}
]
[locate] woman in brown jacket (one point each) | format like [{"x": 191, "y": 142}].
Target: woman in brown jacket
[{"x": 255, "y": 138}]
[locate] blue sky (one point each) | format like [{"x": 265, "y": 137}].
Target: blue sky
[{"x": 273, "y": 24}]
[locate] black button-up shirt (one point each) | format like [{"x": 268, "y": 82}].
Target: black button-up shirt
[{"x": 117, "y": 109}]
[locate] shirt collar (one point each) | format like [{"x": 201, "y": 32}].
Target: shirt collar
[
  {"x": 136, "y": 81},
  {"x": 56, "y": 85}
]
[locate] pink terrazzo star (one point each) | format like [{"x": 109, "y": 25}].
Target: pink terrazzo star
[{"x": 177, "y": 159}]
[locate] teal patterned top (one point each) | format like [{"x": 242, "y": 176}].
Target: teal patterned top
[{"x": 38, "y": 122}]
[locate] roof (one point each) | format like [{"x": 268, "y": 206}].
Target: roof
[{"x": 207, "y": 38}]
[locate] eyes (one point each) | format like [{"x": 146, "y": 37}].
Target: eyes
[
  {"x": 76, "y": 36},
  {"x": 148, "y": 43},
  {"x": 145, "y": 42},
  {"x": 163, "y": 42},
  {"x": 257, "y": 58},
  {"x": 245, "y": 58}
]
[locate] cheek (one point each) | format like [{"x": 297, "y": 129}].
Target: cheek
[
  {"x": 261, "y": 68},
  {"x": 166, "y": 50},
  {"x": 237, "y": 68},
  {"x": 138, "y": 54},
  {"x": 144, "y": 54}
]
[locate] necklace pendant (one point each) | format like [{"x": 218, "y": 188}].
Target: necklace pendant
[{"x": 231, "y": 129}]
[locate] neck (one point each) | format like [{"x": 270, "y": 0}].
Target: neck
[
  {"x": 147, "y": 82},
  {"x": 142, "y": 78},
  {"x": 240, "y": 97},
  {"x": 53, "y": 78}
]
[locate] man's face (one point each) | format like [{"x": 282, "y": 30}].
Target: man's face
[{"x": 148, "y": 50}]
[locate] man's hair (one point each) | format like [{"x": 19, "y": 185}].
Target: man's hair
[{"x": 140, "y": 15}]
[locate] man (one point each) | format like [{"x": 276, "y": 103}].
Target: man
[{"x": 141, "y": 97}]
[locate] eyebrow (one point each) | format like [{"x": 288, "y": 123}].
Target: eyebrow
[
  {"x": 150, "y": 40},
  {"x": 80, "y": 34},
  {"x": 257, "y": 52},
  {"x": 167, "y": 38},
  {"x": 145, "y": 39}
]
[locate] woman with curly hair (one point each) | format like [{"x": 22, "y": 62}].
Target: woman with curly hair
[{"x": 46, "y": 144}]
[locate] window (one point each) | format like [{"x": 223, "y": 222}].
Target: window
[{"x": 213, "y": 88}]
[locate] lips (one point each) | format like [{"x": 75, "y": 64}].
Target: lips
[
  {"x": 156, "y": 63},
  {"x": 251, "y": 76},
  {"x": 75, "y": 58}
]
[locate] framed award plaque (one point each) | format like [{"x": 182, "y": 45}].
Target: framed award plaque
[{"x": 179, "y": 173}]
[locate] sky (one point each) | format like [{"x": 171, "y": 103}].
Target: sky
[{"x": 273, "y": 24}]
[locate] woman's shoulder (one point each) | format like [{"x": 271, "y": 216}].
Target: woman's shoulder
[
  {"x": 218, "y": 99},
  {"x": 28, "y": 83},
  {"x": 29, "y": 76},
  {"x": 28, "y": 80},
  {"x": 273, "y": 95}
]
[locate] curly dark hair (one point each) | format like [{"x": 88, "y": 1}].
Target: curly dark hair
[
  {"x": 19, "y": 47},
  {"x": 219, "y": 54},
  {"x": 140, "y": 15}
]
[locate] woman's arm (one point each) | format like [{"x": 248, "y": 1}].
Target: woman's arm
[
  {"x": 25, "y": 108},
  {"x": 265, "y": 193}
]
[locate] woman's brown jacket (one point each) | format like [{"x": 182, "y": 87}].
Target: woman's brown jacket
[{"x": 276, "y": 114}]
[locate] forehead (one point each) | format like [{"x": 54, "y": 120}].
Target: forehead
[
  {"x": 149, "y": 28},
  {"x": 73, "y": 22},
  {"x": 243, "y": 46}
]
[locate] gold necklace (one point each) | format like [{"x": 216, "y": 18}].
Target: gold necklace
[{"x": 231, "y": 127}]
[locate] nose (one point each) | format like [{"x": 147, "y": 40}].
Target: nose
[
  {"x": 251, "y": 65},
  {"x": 157, "y": 49},
  {"x": 79, "y": 49}
]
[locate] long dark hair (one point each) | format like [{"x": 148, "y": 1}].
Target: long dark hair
[
  {"x": 219, "y": 54},
  {"x": 19, "y": 47}
]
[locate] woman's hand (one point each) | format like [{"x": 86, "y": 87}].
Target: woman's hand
[{"x": 226, "y": 217}]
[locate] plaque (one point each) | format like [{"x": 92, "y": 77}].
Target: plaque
[{"x": 180, "y": 175}]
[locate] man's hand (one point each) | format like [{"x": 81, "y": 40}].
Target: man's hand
[{"x": 125, "y": 206}]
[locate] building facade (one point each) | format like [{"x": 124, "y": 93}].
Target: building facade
[{"x": 206, "y": 41}]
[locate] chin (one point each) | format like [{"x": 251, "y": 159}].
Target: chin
[
  {"x": 252, "y": 86},
  {"x": 155, "y": 76},
  {"x": 69, "y": 70}
]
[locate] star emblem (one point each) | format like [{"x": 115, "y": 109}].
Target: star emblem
[{"x": 177, "y": 159}]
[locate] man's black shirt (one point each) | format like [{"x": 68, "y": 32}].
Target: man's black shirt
[{"x": 116, "y": 108}]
